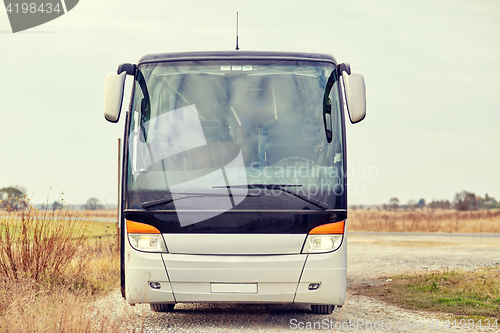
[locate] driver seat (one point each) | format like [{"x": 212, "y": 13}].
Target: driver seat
[{"x": 282, "y": 139}]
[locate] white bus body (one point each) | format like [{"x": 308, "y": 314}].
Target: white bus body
[{"x": 233, "y": 181}]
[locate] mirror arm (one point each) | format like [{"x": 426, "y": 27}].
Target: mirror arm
[
  {"x": 129, "y": 68},
  {"x": 344, "y": 67}
]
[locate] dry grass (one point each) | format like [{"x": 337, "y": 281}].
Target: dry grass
[
  {"x": 53, "y": 266},
  {"x": 480, "y": 221},
  {"x": 41, "y": 249}
]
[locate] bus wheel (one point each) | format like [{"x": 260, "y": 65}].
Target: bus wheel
[
  {"x": 161, "y": 307},
  {"x": 322, "y": 309}
]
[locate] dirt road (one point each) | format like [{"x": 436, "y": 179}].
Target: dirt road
[{"x": 370, "y": 257}]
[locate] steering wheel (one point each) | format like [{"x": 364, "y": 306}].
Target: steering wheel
[{"x": 294, "y": 159}]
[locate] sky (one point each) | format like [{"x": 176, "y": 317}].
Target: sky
[{"x": 432, "y": 73}]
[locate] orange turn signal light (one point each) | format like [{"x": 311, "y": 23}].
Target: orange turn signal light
[
  {"x": 330, "y": 228},
  {"x": 140, "y": 228}
]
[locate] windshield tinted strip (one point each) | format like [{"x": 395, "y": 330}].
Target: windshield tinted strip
[{"x": 213, "y": 60}]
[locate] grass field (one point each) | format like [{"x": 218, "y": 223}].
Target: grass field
[
  {"x": 480, "y": 221},
  {"x": 101, "y": 213},
  {"x": 465, "y": 295},
  {"x": 104, "y": 213}
]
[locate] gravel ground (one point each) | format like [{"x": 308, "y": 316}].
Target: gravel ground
[{"x": 370, "y": 256}]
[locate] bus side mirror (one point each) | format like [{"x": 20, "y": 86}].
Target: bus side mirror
[
  {"x": 114, "y": 85},
  {"x": 355, "y": 92}
]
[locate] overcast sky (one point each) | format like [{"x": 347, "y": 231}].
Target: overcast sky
[{"x": 432, "y": 70}]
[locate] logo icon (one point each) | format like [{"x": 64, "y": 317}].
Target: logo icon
[
  {"x": 26, "y": 14},
  {"x": 191, "y": 159}
]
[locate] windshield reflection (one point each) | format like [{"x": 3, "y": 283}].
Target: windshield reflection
[{"x": 213, "y": 129}]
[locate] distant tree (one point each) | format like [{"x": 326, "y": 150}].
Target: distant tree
[
  {"x": 442, "y": 204},
  {"x": 445, "y": 204},
  {"x": 13, "y": 197},
  {"x": 421, "y": 203},
  {"x": 393, "y": 204},
  {"x": 93, "y": 204},
  {"x": 487, "y": 202},
  {"x": 57, "y": 205},
  {"x": 465, "y": 201}
]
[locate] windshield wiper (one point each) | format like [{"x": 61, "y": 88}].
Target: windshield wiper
[
  {"x": 284, "y": 188},
  {"x": 169, "y": 198},
  {"x": 164, "y": 201}
]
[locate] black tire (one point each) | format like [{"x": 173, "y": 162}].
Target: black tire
[
  {"x": 157, "y": 307},
  {"x": 322, "y": 309}
]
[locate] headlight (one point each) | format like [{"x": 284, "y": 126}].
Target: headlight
[
  {"x": 145, "y": 237},
  {"x": 322, "y": 243},
  {"x": 324, "y": 238},
  {"x": 147, "y": 242}
]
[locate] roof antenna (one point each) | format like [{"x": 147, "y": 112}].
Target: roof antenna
[{"x": 237, "y": 48}]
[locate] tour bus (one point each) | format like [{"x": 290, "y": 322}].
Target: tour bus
[{"x": 233, "y": 186}]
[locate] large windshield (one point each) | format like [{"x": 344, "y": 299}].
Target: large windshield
[{"x": 234, "y": 135}]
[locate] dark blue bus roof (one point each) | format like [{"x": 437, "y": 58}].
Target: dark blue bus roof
[{"x": 236, "y": 55}]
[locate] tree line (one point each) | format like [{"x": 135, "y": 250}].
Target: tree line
[
  {"x": 14, "y": 198},
  {"x": 462, "y": 201}
]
